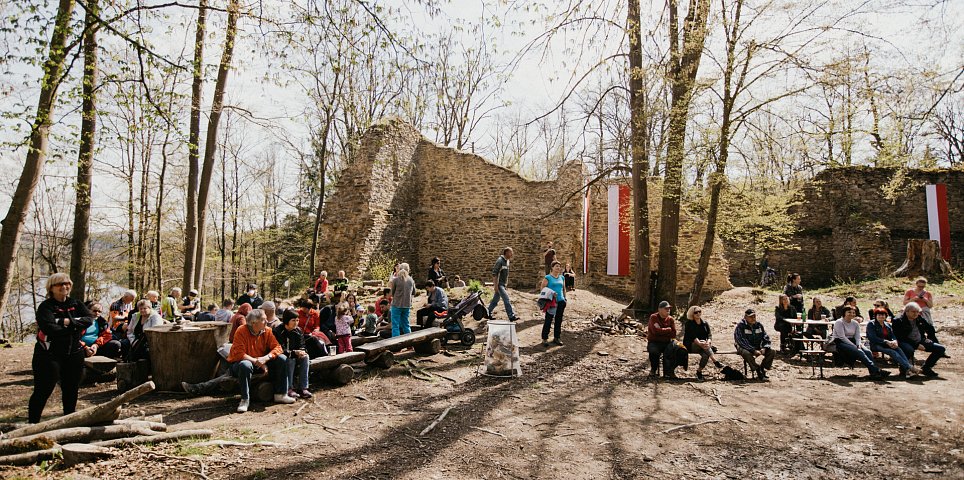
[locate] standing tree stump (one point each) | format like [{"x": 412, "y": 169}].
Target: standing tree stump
[
  {"x": 185, "y": 353},
  {"x": 923, "y": 259}
]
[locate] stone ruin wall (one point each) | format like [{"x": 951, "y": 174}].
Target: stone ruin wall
[
  {"x": 411, "y": 199},
  {"x": 848, "y": 230}
]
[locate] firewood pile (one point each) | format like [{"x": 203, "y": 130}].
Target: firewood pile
[
  {"x": 617, "y": 325},
  {"x": 88, "y": 435}
]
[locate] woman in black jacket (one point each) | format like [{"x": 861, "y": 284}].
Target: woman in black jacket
[
  {"x": 784, "y": 311},
  {"x": 59, "y": 353}
]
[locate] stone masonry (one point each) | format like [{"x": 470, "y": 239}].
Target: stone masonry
[{"x": 409, "y": 199}]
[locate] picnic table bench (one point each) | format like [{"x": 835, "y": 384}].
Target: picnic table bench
[{"x": 381, "y": 353}]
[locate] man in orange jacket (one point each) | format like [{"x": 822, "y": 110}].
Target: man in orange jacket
[{"x": 255, "y": 348}]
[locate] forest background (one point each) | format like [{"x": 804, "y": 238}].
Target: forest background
[{"x": 140, "y": 123}]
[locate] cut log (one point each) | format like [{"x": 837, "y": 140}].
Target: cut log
[
  {"x": 132, "y": 374},
  {"x": 923, "y": 258},
  {"x": 342, "y": 374},
  {"x": 186, "y": 354},
  {"x": 77, "y": 453},
  {"x": 153, "y": 439},
  {"x": 263, "y": 392},
  {"x": 429, "y": 348},
  {"x": 155, "y": 426},
  {"x": 330, "y": 362},
  {"x": 158, "y": 418},
  {"x": 30, "y": 458},
  {"x": 71, "y": 435},
  {"x": 103, "y": 413},
  {"x": 384, "y": 359}
]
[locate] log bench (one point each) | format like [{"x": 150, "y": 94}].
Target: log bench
[
  {"x": 381, "y": 353},
  {"x": 337, "y": 368}
]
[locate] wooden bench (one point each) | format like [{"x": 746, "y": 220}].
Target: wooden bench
[
  {"x": 380, "y": 353},
  {"x": 337, "y": 368},
  {"x": 815, "y": 358}
]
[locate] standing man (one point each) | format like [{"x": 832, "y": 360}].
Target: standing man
[
  {"x": 500, "y": 277},
  {"x": 550, "y": 257}
]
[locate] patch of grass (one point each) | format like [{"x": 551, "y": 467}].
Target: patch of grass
[
  {"x": 187, "y": 448},
  {"x": 259, "y": 474}
]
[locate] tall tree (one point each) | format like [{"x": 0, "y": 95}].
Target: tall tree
[
  {"x": 684, "y": 61},
  {"x": 79, "y": 251},
  {"x": 194, "y": 136},
  {"x": 53, "y": 73},
  {"x": 211, "y": 140},
  {"x": 639, "y": 152}
]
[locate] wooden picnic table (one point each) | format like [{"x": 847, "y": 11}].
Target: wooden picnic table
[{"x": 825, "y": 323}]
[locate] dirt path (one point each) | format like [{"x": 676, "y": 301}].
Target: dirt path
[{"x": 573, "y": 414}]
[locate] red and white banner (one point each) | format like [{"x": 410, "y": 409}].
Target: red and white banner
[
  {"x": 585, "y": 232},
  {"x": 937, "y": 221},
  {"x": 618, "y": 251}
]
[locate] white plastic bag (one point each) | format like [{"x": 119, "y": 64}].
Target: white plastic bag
[{"x": 502, "y": 350}]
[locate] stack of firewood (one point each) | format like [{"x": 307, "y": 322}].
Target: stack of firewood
[
  {"x": 617, "y": 325},
  {"x": 88, "y": 435}
]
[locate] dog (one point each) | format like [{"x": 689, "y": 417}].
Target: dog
[{"x": 731, "y": 374}]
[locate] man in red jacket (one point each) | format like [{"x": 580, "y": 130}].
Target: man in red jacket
[{"x": 661, "y": 332}]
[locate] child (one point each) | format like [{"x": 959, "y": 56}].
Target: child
[
  {"x": 343, "y": 323},
  {"x": 370, "y": 322}
]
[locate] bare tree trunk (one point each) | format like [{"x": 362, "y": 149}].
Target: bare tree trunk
[
  {"x": 79, "y": 249},
  {"x": 194, "y": 136},
  {"x": 684, "y": 63},
  {"x": 37, "y": 152},
  {"x": 211, "y": 141},
  {"x": 323, "y": 157},
  {"x": 640, "y": 159}
]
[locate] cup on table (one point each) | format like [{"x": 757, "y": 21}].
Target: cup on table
[
  {"x": 799, "y": 316},
  {"x": 823, "y": 317}
]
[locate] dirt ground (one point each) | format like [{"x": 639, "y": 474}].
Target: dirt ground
[{"x": 582, "y": 411}]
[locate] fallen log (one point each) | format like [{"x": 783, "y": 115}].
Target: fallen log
[
  {"x": 146, "y": 418},
  {"x": 77, "y": 453},
  {"x": 70, "y": 435},
  {"x": 156, "y": 426},
  {"x": 30, "y": 458},
  {"x": 229, "y": 443},
  {"x": 103, "y": 413},
  {"x": 159, "y": 438}
]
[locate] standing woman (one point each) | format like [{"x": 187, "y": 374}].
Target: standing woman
[
  {"x": 554, "y": 281},
  {"x": 921, "y": 297},
  {"x": 402, "y": 287},
  {"x": 59, "y": 353},
  {"x": 436, "y": 274},
  {"x": 794, "y": 291}
]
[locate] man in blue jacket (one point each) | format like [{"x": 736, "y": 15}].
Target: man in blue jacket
[
  {"x": 752, "y": 341},
  {"x": 914, "y": 333}
]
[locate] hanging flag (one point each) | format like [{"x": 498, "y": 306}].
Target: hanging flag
[
  {"x": 937, "y": 221},
  {"x": 585, "y": 231},
  {"x": 618, "y": 225}
]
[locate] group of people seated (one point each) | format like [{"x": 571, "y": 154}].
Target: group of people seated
[{"x": 842, "y": 332}]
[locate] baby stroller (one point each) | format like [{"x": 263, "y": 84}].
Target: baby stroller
[{"x": 452, "y": 319}]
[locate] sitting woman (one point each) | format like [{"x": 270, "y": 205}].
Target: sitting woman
[
  {"x": 881, "y": 303},
  {"x": 698, "y": 339},
  {"x": 783, "y": 312},
  {"x": 144, "y": 318},
  {"x": 316, "y": 341},
  {"x": 292, "y": 343},
  {"x": 880, "y": 334},
  {"x": 570, "y": 277},
  {"x": 98, "y": 338},
  {"x": 848, "y": 302},
  {"x": 239, "y": 319},
  {"x": 846, "y": 336},
  {"x": 817, "y": 313}
]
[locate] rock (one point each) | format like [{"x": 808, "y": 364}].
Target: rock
[
  {"x": 623, "y": 359},
  {"x": 647, "y": 458},
  {"x": 603, "y": 353}
]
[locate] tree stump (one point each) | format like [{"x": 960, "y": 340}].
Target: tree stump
[
  {"x": 923, "y": 259},
  {"x": 429, "y": 348},
  {"x": 132, "y": 374},
  {"x": 185, "y": 353},
  {"x": 77, "y": 453}
]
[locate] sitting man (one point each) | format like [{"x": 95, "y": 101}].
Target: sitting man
[
  {"x": 255, "y": 349},
  {"x": 190, "y": 305},
  {"x": 208, "y": 315},
  {"x": 437, "y": 302},
  {"x": 880, "y": 334},
  {"x": 914, "y": 333},
  {"x": 752, "y": 341},
  {"x": 661, "y": 332},
  {"x": 340, "y": 283},
  {"x": 170, "y": 309},
  {"x": 119, "y": 315},
  {"x": 846, "y": 336},
  {"x": 226, "y": 311}
]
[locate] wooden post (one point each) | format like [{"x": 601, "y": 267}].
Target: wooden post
[{"x": 185, "y": 353}]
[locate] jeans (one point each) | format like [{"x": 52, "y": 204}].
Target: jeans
[
  {"x": 276, "y": 368},
  {"x": 560, "y": 309},
  {"x": 301, "y": 366},
  {"x": 400, "y": 323},
  {"x": 48, "y": 369},
  {"x": 857, "y": 353},
  {"x": 504, "y": 295},
  {"x": 705, "y": 354},
  {"x": 768, "y": 355},
  {"x": 657, "y": 349},
  {"x": 936, "y": 352},
  {"x": 895, "y": 353}
]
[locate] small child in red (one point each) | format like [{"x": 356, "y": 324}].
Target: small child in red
[{"x": 343, "y": 323}]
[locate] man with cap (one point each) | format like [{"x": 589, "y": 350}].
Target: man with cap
[
  {"x": 251, "y": 297},
  {"x": 660, "y": 334},
  {"x": 191, "y": 305},
  {"x": 752, "y": 341}
]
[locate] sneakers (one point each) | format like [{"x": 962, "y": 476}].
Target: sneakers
[
  {"x": 304, "y": 393},
  {"x": 761, "y": 373},
  {"x": 513, "y": 318},
  {"x": 557, "y": 342},
  {"x": 283, "y": 398},
  {"x": 545, "y": 342},
  {"x": 880, "y": 374},
  {"x": 293, "y": 394},
  {"x": 193, "y": 390},
  {"x": 718, "y": 364},
  {"x": 699, "y": 376},
  {"x": 929, "y": 372},
  {"x": 243, "y": 406}
]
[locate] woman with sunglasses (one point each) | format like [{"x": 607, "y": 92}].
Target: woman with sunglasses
[
  {"x": 698, "y": 339},
  {"x": 59, "y": 353},
  {"x": 98, "y": 338}
]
